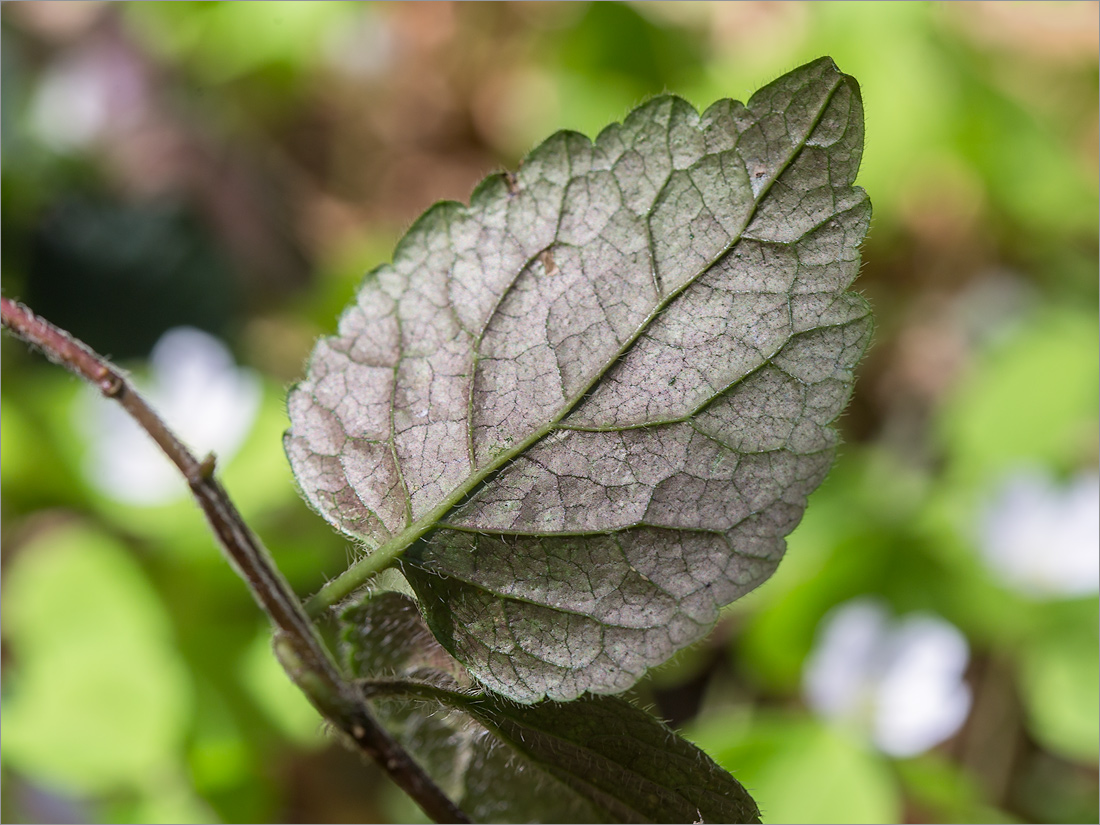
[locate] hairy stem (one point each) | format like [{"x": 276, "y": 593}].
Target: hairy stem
[{"x": 298, "y": 645}]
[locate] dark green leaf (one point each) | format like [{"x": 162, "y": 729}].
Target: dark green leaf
[{"x": 599, "y": 759}]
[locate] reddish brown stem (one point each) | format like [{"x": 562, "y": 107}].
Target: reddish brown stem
[{"x": 298, "y": 643}]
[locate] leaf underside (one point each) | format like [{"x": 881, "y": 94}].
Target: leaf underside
[
  {"x": 586, "y": 410},
  {"x": 596, "y": 760}
]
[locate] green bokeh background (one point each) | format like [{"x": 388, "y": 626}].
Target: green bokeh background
[{"x": 257, "y": 159}]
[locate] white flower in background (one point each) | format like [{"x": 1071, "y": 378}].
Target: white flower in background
[
  {"x": 1042, "y": 538},
  {"x": 81, "y": 99},
  {"x": 900, "y": 681},
  {"x": 200, "y": 393}
]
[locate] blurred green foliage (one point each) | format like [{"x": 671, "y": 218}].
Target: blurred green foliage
[{"x": 238, "y": 167}]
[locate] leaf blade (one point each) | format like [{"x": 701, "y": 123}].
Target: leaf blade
[{"x": 587, "y": 408}]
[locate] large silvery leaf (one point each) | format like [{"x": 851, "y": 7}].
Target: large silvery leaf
[
  {"x": 597, "y": 760},
  {"x": 585, "y": 410}
]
